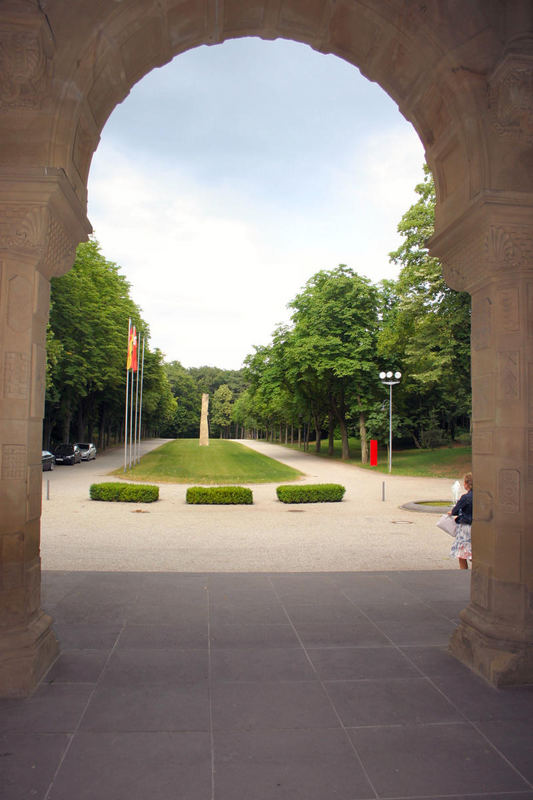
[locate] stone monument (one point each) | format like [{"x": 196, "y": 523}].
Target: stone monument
[{"x": 204, "y": 427}]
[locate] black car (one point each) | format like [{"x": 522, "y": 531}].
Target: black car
[
  {"x": 47, "y": 460},
  {"x": 68, "y": 454}
]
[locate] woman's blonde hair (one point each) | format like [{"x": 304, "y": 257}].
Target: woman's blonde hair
[{"x": 469, "y": 480}]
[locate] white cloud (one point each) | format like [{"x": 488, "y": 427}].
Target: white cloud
[{"x": 215, "y": 248}]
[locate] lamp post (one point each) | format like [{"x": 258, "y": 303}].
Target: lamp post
[{"x": 390, "y": 379}]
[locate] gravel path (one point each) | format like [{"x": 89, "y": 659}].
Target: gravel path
[{"x": 361, "y": 533}]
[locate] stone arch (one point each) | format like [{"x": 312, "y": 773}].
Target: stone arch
[{"x": 461, "y": 72}]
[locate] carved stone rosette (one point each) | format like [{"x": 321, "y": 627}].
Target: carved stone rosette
[
  {"x": 26, "y": 51},
  {"x": 511, "y": 97}
]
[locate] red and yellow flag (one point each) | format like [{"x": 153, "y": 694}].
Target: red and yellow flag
[
  {"x": 131, "y": 339},
  {"x": 134, "y": 363}
]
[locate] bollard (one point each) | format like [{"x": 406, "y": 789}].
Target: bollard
[
  {"x": 383, "y": 491},
  {"x": 48, "y": 489}
]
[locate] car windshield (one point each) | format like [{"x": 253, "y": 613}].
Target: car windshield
[
  {"x": 64, "y": 449},
  {"x": 83, "y": 446}
]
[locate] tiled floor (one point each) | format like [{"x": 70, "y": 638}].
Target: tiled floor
[{"x": 314, "y": 686}]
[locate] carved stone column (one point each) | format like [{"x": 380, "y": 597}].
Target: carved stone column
[
  {"x": 489, "y": 253},
  {"x": 41, "y": 222}
]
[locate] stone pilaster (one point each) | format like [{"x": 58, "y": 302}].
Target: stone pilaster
[
  {"x": 40, "y": 226},
  {"x": 489, "y": 253}
]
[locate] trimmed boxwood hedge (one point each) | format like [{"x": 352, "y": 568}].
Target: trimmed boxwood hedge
[
  {"x": 311, "y": 493},
  {"x": 124, "y": 492},
  {"x": 219, "y": 495}
]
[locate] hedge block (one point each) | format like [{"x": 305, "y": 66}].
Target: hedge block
[
  {"x": 124, "y": 492},
  {"x": 311, "y": 493},
  {"x": 219, "y": 495}
]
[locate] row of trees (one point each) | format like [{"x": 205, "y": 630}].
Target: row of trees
[
  {"x": 321, "y": 371},
  {"x": 188, "y": 385},
  {"x": 318, "y": 377},
  {"x": 86, "y": 366}
]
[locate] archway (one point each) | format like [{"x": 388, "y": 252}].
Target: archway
[{"x": 462, "y": 79}]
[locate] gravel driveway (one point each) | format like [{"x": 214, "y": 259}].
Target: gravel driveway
[{"x": 361, "y": 533}]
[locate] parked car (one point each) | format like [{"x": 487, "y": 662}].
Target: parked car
[
  {"x": 68, "y": 454},
  {"x": 88, "y": 450},
  {"x": 47, "y": 460}
]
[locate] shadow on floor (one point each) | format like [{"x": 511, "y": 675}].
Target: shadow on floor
[{"x": 311, "y": 686}]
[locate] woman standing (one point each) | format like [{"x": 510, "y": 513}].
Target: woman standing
[{"x": 462, "y": 511}]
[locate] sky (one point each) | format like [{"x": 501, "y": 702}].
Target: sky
[{"x": 230, "y": 176}]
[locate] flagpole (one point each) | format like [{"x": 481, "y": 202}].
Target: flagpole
[
  {"x": 131, "y": 397},
  {"x": 135, "y": 451},
  {"x": 141, "y": 407},
  {"x": 126, "y": 414}
]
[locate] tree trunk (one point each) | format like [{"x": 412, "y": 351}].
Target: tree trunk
[
  {"x": 66, "y": 426},
  {"x": 80, "y": 423},
  {"x": 340, "y": 414},
  {"x": 299, "y": 436},
  {"x": 363, "y": 436},
  {"x": 318, "y": 432},
  {"x": 331, "y": 434},
  {"x": 344, "y": 439},
  {"x": 101, "y": 428}
]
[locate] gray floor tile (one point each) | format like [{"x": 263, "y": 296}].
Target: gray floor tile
[
  {"x": 360, "y": 633},
  {"x": 53, "y": 708},
  {"x": 432, "y": 631},
  {"x": 260, "y": 664},
  {"x": 436, "y": 585},
  {"x": 477, "y": 700},
  {"x": 260, "y": 706},
  {"x": 369, "y": 589},
  {"x": 183, "y": 707},
  {"x": 247, "y": 611},
  {"x": 289, "y": 765},
  {"x": 153, "y": 667},
  {"x": 87, "y": 609},
  {"x": 136, "y": 766},
  {"x": 180, "y": 634},
  {"x": 432, "y": 760},
  {"x": 28, "y": 762},
  {"x": 157, "y": 612},
  {"x": 513, "y": 738},
  {"x": 77, "y": 666},
  {"x": 354, "y": 663},
  {"x": 412, "y": 612},
  {"x": 83, "y": 635},
  {"x": 435, "y": 660},
  {"x": 390, "y": 701},
  {"x": 250, "y": 635},
  {"x": 277, "y": 732},
  {"x": 448, "y": 608},
  {"x": 320, "y": 611}
]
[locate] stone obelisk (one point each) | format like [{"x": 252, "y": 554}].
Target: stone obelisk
[{"x": 204, "y": 428}]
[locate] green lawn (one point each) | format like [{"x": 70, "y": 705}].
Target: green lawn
[
  {"x": 443, "y": 462},
  {"x": 223, "y": 462}
]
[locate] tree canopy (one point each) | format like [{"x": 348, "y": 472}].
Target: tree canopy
[{"x": 87, "y": 345}]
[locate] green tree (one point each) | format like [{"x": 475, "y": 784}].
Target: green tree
[
  {"x": 221, "y": 410},
  {"x": 186, "y": 420},
  {"x": 87, "y": 344},
  {"x": 426, "y": 326},
  {"x": 335, "y": 322}
]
